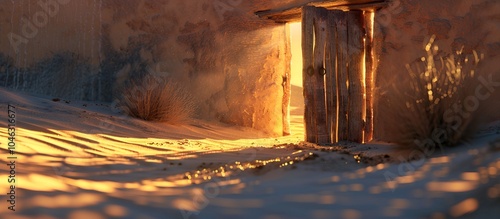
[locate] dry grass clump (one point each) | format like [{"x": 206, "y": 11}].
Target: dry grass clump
[
  {"x": 157, "y": 99},
  {"x": 432, "y": 108}
]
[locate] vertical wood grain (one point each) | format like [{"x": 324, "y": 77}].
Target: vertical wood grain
[
  {"x": 356, "y": 88},
  {"x": 320, "y": 27},
  {"x": 307, "y": 56},
  {"x": 342, "y": 58}
]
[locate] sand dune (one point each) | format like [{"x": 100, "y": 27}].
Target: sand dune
[{"x": 83, "y": 160}]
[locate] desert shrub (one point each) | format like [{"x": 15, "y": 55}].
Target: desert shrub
[
  {"x": 157, "y": 99},
  {"x": 428, "y": 110}
]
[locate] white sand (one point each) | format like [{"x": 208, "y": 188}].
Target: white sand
[{"x": 82, "y": 160}]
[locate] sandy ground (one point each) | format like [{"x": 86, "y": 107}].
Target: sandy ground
[{"x": 85, "y": 160}]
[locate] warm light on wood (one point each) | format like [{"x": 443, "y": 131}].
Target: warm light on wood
[{"x": 338, "y": 75}]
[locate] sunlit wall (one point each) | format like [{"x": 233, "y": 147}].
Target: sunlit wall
[{"x": 232, "y": 61}]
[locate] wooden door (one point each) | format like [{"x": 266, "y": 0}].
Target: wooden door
[{"x": 337, "y": 75}]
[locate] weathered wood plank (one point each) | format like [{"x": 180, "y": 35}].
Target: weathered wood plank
[
  {"x": 356, "y": 88},
  {"x": 320, "y": 27},
  {"x": 331, "y": 84},
  {"x": 368, "y": 24},
  {"x": 308, "y": 71},
  {"x": 342, "y": 58}
]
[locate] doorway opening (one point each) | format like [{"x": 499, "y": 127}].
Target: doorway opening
[
  {"x": 337, "y": 69},
  {"x": 296, "y": 118},
  {"x": 295, "y": 29}
]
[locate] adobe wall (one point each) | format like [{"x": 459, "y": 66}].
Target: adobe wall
[{"x": 232, "y": 62}]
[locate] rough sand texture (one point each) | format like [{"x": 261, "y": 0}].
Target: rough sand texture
[{"x": 82, "y": 160}]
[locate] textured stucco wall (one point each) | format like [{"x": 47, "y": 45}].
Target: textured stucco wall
[
  {"x": 232, "y": 62},
  {"x": 405, "y": 26}
]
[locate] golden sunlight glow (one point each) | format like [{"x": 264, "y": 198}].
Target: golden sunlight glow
[
  {"x": 296, "y": 48},
  {"x": 471, "y": 176},
  {"x": 105, "y": 187},
  {"x": 369, "y": 169},
  {"x": 67, "y": 201},
  {"x": 116, "y": 211},
  {"x": 42, "y": 183},
  {"x": 405, "y": 179},
  {"x": 168, "y": 183},
  {"x": 454, "y": 186},
  {"x": 372, "y": 76},
  {"x": 439, "y": 160},
  {"x": 492, "y": 171},
  {"x": 464, "y": 207},
  {"x": 364, "y": 87},
  {"x": 335, "y": 179},
  {"x": 227, "y": 170},
  {"x": 372, "y": 18},
  {"x": 78, "y": 214},
  {"x": 380, "y": 166}
]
